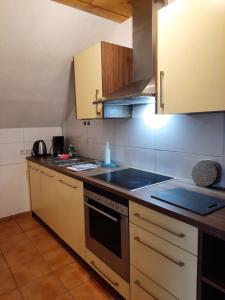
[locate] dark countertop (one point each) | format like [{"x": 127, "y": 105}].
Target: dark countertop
[{"x": 213, "y": 223}]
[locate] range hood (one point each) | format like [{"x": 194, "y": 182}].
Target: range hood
[{"x": 142, "y": 89}]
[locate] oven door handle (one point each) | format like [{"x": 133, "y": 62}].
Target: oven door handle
[{"x": 101, "y": 212}]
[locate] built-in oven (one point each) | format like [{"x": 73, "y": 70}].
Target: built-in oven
[{"x": 107, "y": 228}]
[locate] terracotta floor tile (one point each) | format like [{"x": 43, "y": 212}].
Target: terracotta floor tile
[
  {"x": 23, "y": 216},
  {"x": 11, "y": 240},
  {"x": 36, "y": 233},
  {"x": 66, "y": 296},
  {"x": 44, "y": 288},
  {"x": 58, "y": 258},
  {"x": 21, "y": 252},
  {"x": 3, "y": 264},
  {"x": 7, "y": 282},
  {"x": 90, "y": 291},
  {"x": 7, "y": 229},
  {"x": 72, "y": 275},
  {"x": 42, "y": 240},
  {"x": 12, "y": 295},
  {"x": 25, "y": 273},
  {"x": 28, "y": 224}
]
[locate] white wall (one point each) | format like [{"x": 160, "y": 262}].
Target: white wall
[
  {"x": 15, "y": 145},
  {"x": 38, "y": 39}
]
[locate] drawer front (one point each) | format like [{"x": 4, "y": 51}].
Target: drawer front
[
  {"x": 34, "y": 166},
  {"x": 48, "y": 172},
  {"x": 179, "y": 233},
  {"x": 169, "y": 266},
  {"x": 69, "y": 182},
  {"x": 143, "y": 288},
  {"x": 109, "y": 275}
]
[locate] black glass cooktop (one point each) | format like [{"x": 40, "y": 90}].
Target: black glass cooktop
[{"x": 132, "y": 179}]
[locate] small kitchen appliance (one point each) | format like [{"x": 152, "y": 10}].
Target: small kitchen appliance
[
  {"x": 58, "y": 145},
  {"x": 39, "y": 148}
]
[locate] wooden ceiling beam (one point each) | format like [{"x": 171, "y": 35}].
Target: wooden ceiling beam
[{"x": 115, "y": 10}]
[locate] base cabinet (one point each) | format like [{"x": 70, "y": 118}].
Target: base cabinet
[
  {"x": 162, "y": 266},
  {"x": 117, "y": 282},
  {"x": 70, "y": 212},
  {"x": 144, "y": 288},
  {"x": 35, "y": 187},
  {"x": 58, "y": 201}
]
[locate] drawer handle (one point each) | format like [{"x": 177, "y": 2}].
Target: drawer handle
[
  {"x": 70, "y": 185},
  {"x": 138, "y": 283},
  {"x": 180, "y": 235},
  {"x": 51, "y": 176},
  {"x": 101, "y": 212},
  {"x": 115, "y": 283},
  {"x": 178, "y": 263},
  {"x": 35, "y": 169}
]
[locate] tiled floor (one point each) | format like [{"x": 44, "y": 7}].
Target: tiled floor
[{"x": 34, "y": 266}]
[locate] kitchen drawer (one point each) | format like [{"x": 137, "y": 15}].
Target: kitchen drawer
[
  {"x": 143, "y": 288},
  {"x": 179, "y": 233},
  {"x": 108, "y": 274},
  {"x": 46, "y": 172},
  {"x": 34, "y": 166},
  {"x": 69, "y": 182},
  {"x": 169, "y": 266}
]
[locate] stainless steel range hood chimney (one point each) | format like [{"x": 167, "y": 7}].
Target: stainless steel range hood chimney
[{"x": 142, "y": 89}]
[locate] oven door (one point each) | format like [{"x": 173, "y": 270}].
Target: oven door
[{"x": 107, "y": 236}]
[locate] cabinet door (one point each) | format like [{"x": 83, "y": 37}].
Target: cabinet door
[
  {"x": 35, "y": 187},
  {"x": 47, "y": 211},
  {"x": 191, "y": 56},
  {"x": 70, "y": 207},
  {"x": 88, "y": 82}
]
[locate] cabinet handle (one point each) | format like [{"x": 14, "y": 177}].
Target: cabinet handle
[
  {"x": 51, "y": 176},
  {"x": 178, "y": 263},
  {"x": 180, "y": 235},
  {"x": 115, "y": 283},
  {"x": 96, "y": 98},
  {"x": 70, "y": 185},
  {"x": 33, "y": 168},
  {"x": 161, "y": 75},
  {"x": 138, "y": 283}
]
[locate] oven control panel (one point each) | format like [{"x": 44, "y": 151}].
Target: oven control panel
[{"x": 116, "y": 206}]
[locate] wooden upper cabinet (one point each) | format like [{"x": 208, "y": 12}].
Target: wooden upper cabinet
[
  {"x": 191, "y": 56},
  {"x": 99, "y": 71}
]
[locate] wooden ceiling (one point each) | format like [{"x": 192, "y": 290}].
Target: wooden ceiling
[{"x": 115, "y": 10}]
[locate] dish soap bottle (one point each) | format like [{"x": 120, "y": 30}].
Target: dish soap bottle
[{"x": 107, "y": 154}]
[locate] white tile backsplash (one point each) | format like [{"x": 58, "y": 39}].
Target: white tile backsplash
[
  {"x": 135, "y": 157},
  {"x": 179, "y": 164},
  {"x": 14, "y": 190},
  {"x": 12, "y": 153},
  {"x": 101, "y": 131},
  {"x": 134, "y": 133},
  {"x": 199, "y": 134},
  {"x": 172, "y": 149},
  {"x": 42, "y": 133},
  {"x": 12, "y": 135}
]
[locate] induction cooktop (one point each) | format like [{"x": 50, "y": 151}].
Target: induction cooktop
[{"x": 132, "y": 179}]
